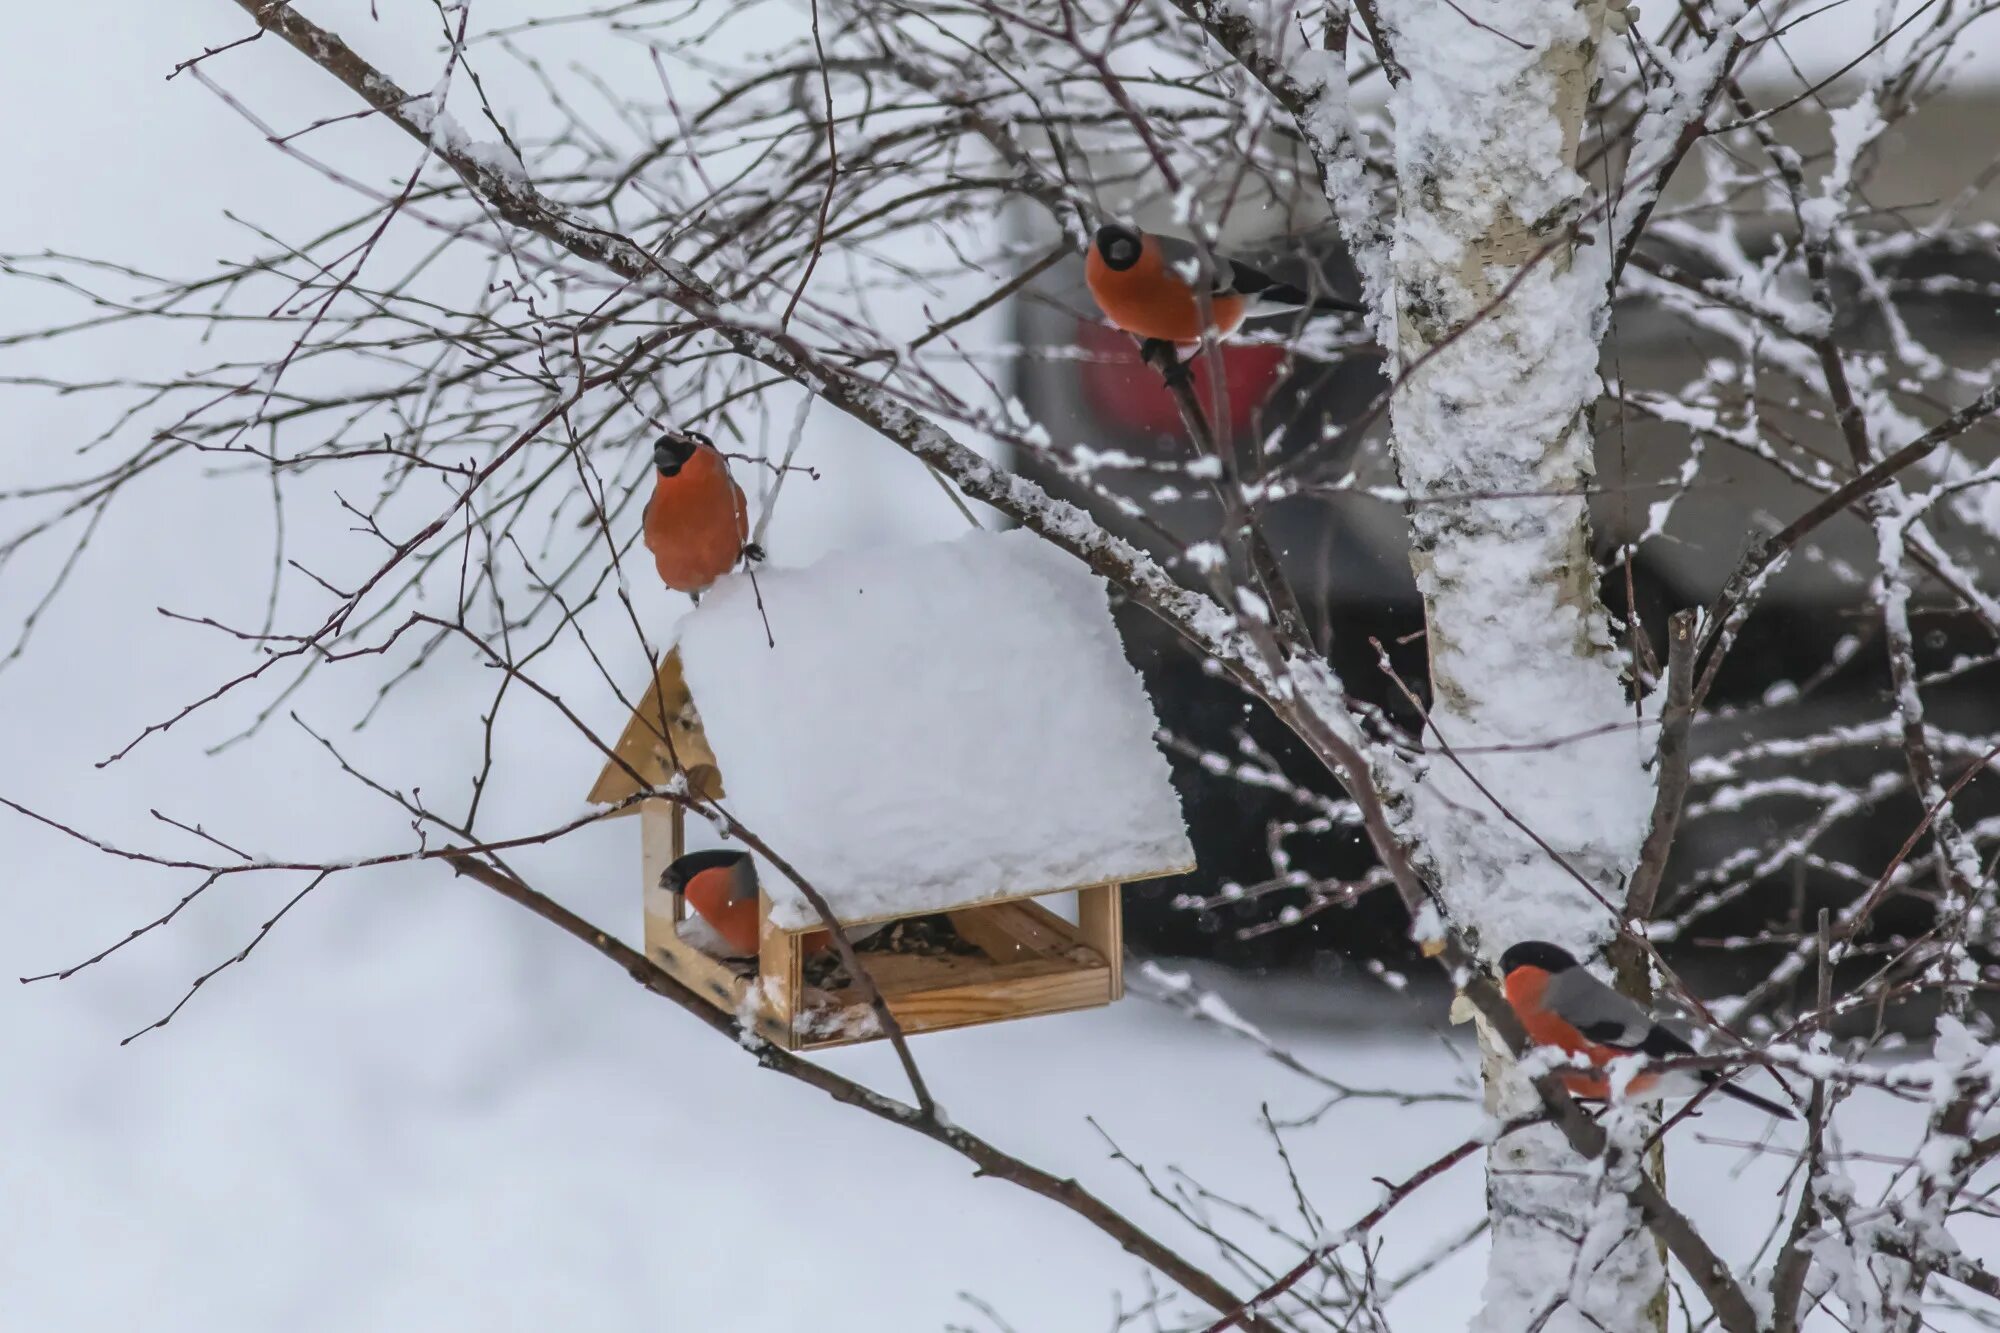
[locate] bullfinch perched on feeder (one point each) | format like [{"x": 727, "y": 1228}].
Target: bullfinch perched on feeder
[
  {"x": 1145, "y": 285},
  {"x": 697, "y": 524},
  {"x": 721, "y": 886},
  {"x": 1562, "y": 1005}
]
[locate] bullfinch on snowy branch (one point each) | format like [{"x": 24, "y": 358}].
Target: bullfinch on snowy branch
[
  {"x": 697, "y": 524},
  {"x": 1145, "y": 285},
  {"x": 1564, "y": 1006}
]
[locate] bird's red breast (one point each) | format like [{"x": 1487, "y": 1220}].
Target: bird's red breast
[
  {"x": 1525, "y": 988},
  {"x": 736, "y": 922},
  {"x": 696, "y": 522},
  {"x": 1153, "y": 301}
]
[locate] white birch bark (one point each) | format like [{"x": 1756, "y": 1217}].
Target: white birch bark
[{"x": 1492, "y": 440}]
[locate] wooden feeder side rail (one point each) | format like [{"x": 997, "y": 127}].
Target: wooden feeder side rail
[{"x": 1040, "y": 963}]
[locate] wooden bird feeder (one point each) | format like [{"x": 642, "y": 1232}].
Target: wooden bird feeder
[{"x": 947, "y": 737}]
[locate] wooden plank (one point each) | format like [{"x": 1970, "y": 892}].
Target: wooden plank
[
  {"x": 663, "y": 830},
  {"x": 662, "y": 727},
  {"x": 1100, "y": 917},
  {"x": 1055, "y": 988},
  {"x": 1035, "y": 963},
  {"x": 710, "y": 978},
  {"x": 659, "y": 847},
  {"x": 1032, "y": 968},
  {"x": 904, "y": 976},
  {"x": 1007, "y": 932},
  {"x": 983, "y": 1002},
  {"x": 899, "y": 974},
  {"x": 722, "y": 987},
  {"x": 1050, "y": 926},
  {"x": 780, "y": 970}
]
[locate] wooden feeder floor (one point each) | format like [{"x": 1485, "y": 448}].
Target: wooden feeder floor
[{"x": 952, "y": 969}]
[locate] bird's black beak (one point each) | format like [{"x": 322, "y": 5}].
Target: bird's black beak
[{"x": 674, "y": 449}]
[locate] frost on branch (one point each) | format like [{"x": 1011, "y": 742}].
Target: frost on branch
[{"x": 812, "y": 241}]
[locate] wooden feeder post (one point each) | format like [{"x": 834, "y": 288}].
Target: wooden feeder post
[{"x": 1100, "y": 919}]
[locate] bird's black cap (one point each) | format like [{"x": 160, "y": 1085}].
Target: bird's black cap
[
  {"x": 1536, "y": 953},
  {"x": 1118, "y": 246},
  {"x": 676, "y": 876},
  {"x": 674, "y": 448}
]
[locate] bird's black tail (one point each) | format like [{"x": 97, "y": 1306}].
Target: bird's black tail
[
  {"x": 1751, "y": 1099},
  {"x": 1284, "y": 294},
  {"x": 1338, "y": 305}
]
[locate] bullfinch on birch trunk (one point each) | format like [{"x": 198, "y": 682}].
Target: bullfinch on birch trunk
[
  {"x": 1145, "y": 284},
  {"x": 697, "y": 524},
  {"x": 1562, "y": 1005}
]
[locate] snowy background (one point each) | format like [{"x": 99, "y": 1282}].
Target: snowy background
[{"x": 417, "y": 1108}]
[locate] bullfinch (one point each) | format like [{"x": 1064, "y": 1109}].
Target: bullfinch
[
  {"x": 697, "y": 524},
  {"x": 1144, "y": 285},
  {"x": 721, "y": 886},
  {"x": 1564, "y": 1006}
]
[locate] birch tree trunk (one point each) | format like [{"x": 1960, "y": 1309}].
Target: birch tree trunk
[{"x": 1502, "y": 317}]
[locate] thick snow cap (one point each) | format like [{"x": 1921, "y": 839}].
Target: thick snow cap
[{"x": 938, "y": 725}]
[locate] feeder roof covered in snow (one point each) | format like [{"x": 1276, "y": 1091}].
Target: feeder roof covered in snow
[{"x": 936, "y": 726}]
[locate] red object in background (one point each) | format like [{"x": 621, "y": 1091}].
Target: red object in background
[{"x": 1122, "y": 389}]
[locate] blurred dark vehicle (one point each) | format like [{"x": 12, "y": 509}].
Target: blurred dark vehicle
[{"x": 1345, "y": 552}]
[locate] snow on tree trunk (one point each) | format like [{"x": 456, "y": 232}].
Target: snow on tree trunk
[{"x": 1501, "y": 320}]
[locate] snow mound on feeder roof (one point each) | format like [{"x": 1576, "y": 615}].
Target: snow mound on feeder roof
[{"x": 938, "y": 725}]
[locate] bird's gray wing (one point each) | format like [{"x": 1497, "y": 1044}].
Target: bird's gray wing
[
  {"x": 1182, "y": 254},
  {"x": 744, "y": 875},
  {"x": 1597, "y": 1011},
  {"x": 1234, "y": 277}
]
